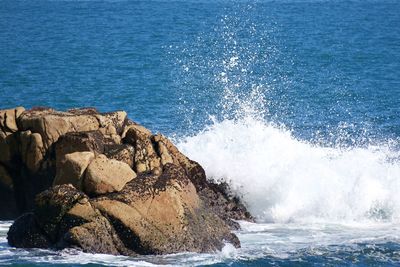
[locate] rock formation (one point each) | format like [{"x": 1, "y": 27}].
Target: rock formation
[{"x": 102, "y": 183}]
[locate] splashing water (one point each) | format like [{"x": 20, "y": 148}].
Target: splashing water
[
  {"x": 227, "y": 71},
  {"x": 283, "y": 179},
  {"x": 323, "y": 186},
  {"x": 242, "y": 92},
  {"x": 280, "y": 177}
]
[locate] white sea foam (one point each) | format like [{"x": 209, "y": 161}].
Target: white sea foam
[
  {"x": 280, "y": 178},
  {"x": 283, "y": 179}
]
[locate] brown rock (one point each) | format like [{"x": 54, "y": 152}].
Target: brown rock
[
  {"x": 133, "y": 125},
  {"x": 97, "y": 236},
  {"x": 51, "y": 206},
  {"x": 31, "y": 149},
  {"x": 123, "y": 152},
  {"x": 169, "y": 151},
  {"x": 146, "y": 158},
  {"x": 19, "y": 111},
  {"x": 72, "y": 167},
  {"x": 52, "y": 124},
  {"x": 25, "y": 233},
  {"x": 163, "y": 150},
  {"x": 216, "y": 196},
  {"x": 228, "y": 207},
  {"x": 81, "y": 212},
  {"x": 8, "y": 119},
  {"x": 93, "y": 141},
  {"x": 105, "y": 175},
  {"x": 157, "y": 215},
  {"x": 112, "y": 121},
  {"x": 108, "y": 130},
  {"x": 170, "y": 207},
  {"x": 85, "y": 227}
]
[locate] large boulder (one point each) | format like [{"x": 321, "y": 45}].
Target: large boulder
[
  {"x": 51, "y": 206},
  {"x": 64, "y": 218},
  {"x": 51, "y": 124},
  {"x": 93, "y": 141},
  {"x": 97, "y": 236},
  {"x": 26, "y": 233},
  {"x": 72, "y": 167},
  {"x": 31, "y": 150},
  {"x": 105, "y": 175},
  {"x": 164, "y": 214}
]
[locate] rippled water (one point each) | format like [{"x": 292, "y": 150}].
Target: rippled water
[
  {"x": 295, "y": 103},
  {"x": 262, "y": 244}
]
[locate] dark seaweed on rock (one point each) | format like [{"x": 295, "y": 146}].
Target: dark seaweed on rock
[{"x": 105, "y": 184}]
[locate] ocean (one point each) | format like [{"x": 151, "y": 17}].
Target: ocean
[{"x": 294, "y": 103}]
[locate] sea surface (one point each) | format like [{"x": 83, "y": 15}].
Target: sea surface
[{"x": 295, "y": 103}]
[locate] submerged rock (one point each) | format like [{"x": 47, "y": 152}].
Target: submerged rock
[{"x": 108, "y": 185}]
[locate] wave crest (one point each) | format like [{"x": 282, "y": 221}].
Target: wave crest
[{"x": 283, "y": 179}]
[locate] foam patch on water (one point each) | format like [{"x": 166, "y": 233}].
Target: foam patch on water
[
  {"x": 74, "y": 257},
  {"x": 283, "y": 179},
  {"x": 4, "y": 226}
]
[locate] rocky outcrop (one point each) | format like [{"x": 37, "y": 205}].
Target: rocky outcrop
[{"x": 102, "y": 183}]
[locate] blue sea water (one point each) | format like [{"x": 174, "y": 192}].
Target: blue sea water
[{"x": 296, "y": 103}]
